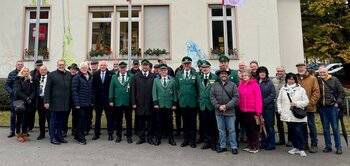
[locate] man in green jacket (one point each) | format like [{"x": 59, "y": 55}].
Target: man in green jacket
[
  {"x": 207, "y": 114},
  {"x": 164, "y": 100},
  {"x": 119, "y": 99},
  {"x": 187, "y": 95},
  {"x": 224, "y": 64}
]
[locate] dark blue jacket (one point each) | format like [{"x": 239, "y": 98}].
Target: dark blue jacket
[
  {"x": 10, "y": 83},
  {"x": 268, "y": 94},
  {"x": 82, "y": 91}
]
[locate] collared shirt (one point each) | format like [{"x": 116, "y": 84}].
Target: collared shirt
[
  {"x": 145, "y": 73},
  {"x": 187, "y": 73},
  {"x": 42, "y": 84}
]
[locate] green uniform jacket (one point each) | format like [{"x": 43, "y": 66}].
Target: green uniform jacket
[
  {"x": 187, "y": 89},
  {"x": 234, "y": 77},
  {"x": 119, "y": 93},
  {"x": 164, "y": 97},
  {"x": 204, "y": 91}
]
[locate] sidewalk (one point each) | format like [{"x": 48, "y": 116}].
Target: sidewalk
[{"x": 109, "y": 153}]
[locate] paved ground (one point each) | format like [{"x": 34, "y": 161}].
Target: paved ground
[{"x": 108, "y": 153}]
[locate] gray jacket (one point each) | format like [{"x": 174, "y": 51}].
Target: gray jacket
[{"x": 219, "y": 97}]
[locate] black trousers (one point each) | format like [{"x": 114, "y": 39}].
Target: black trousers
[
  {"x": 178, "y": 120},
  {"x": 31, "y": 118},
  {"x": 209, "y": 125},
  {"x": 200, "y": 129},
  {"x": 127, "y": 111},
  {"x": 280, "y": 128},
  {"x": 75, "y": 119},
  {"x": 98, "y": 116},
  {"x": 82, "y": 122},
  {"x": 44, "y": 115},
  {"x": 22, "y": 122},
  {"x": 189, "y": 116},
  {"x": 65, "y": 121},
  {"x": 252, "y": 129},
  {"x": 145, "y": 122},
  {"x": 164, "y": 116}
]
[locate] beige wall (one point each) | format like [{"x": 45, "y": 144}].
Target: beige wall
[{"x": 268, "y": 31}]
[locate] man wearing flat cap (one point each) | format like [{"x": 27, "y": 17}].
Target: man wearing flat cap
[
  {"x": 186, "y": 84},
  {"x": 170, "y": 70},
  {"x": 224, "y": 96},
  {"x": 94, "y": 66},
  {"x": 135, "y": 67},
  {"x": 164, "y": 100},
  {"x": 310, "y": 84},
  {"x": 224, "y": 64},
  {"x": 141, "y": 101},
  {"x": 120, "y": 100},
  {"x": 207, "y": 118}
]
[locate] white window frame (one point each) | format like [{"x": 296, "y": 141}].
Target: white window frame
[
  {"x": 30, "y": 21},
  {"x": 125, "y": 19},
  {"x": 231, "y": 18},
  {"x": 100, "y": 20}
]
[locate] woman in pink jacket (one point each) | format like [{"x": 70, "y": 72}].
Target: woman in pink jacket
[{"x": 250, "y": 104}]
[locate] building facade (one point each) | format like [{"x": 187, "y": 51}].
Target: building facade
[{"x": 268, "y": 31}]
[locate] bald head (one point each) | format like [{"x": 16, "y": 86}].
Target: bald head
[
  {"x": 241, "y": 65},
  {"x": 103, "y": 65}
]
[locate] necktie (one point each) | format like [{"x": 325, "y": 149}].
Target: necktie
[
  {"x": 164, "y": 81},
  {"x": 205, "y": 80},
  {"x": 186, "y": 74},
  {"x": 145, "y": 74},
  {"x": 41, "y": 85},
  {"x": 103, "y": 77},
  {"x": 123, "y": 79}
]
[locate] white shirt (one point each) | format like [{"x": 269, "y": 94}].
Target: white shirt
[
  {"x": 143, "y": 73},
  {"x": 43, "y": 84}
]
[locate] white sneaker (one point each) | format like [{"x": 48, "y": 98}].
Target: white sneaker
[
  {"x": 246, "y": 149},
  {"x": 254, "y": 151},
  {"x": 293, "y": 151},
  {"x": 302, "y": 153}
]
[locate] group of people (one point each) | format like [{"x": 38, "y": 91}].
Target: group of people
[{"x": 228, "y": 102}]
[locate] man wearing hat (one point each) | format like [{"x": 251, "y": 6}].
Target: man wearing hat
[
  {"x": 73, "y": 69},
  {"x": 156, "y": 70},
  {"x": 199, "y": 64},
  {"x": 186, "y": 85},
  {"x": 224, "y": 64},
  {"x": 94, "y": 66},
  {"x": 224, "y": 96},
  {"x": 310, "y": 84},
  {"x": 35, "y": 77},
  {"x": 207, "y": 119},
  {"x": 135, "y": 67},
  {"x": 120, "y": 100},
  {"x": 164, "y": 100},
  {"x": 170, "y": 70},
  {"x": 141, "y": 101}
]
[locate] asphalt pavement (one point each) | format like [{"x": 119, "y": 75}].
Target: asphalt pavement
[{"x": 109, "y": 153}]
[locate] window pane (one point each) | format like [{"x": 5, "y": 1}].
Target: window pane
[
  {"x": 218, "y": 35},
  {"x": 101, "y": 36},
  {"x": 101, "y": 14},
  {"x": 125, "y": 13},
  {"x": 218, "y": 12},
  {"x": 43, "y": 15},
  {"x": 43, "y": 40},
  {"x": 123, "y": 40}
]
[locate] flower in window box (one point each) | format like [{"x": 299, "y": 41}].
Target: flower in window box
[
  {"x": 155, "y": 52},
  {"x": 100, "y": 52},
  {"x": 43, "y": 52}
]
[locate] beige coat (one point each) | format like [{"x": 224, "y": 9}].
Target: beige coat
[
  {"x": 298, "y": 96},
  {"x": 310, "y": 84}
]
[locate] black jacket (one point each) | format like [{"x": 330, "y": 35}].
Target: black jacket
[
  {"x": 25, "y": 90},
  {"x": 141, "y": 93},
  {"x": 268, "y": 93},
  {"x": 82, "y": 91},
  {"x": 57, "y": 90},
  {"x": 101, "y": 90},
  {"x": 10, "y": 83},
  {"x": 331, "y": 91}
]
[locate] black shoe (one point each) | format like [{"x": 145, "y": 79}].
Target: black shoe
[
  {"x": 95, "y": 137},
  {"x": 262, "y": 146},
  {"x": 64, "y": 134},
  {"x": 213, "y": 147},
  {"x": 157, "y": 142},
  {"x": 234, "y": 151},
  {"x": 129, "y": 140},
  {"x": 172, "y": 142},
  {"x": 62, "y": 141},
  {"x": 339, "y": 151},
  {"x": 193, "y": 144},
  {"x": 141, "y": 141},
  {"x": 110, "y": 137},
  {"x": 306, "y": 147},
  {"x": 12, "y": 134},
  {"x": 280, "y": 143},
  {"x": 40, "y": 137},
  {"x": 185, "y": 143},
  {"x": 313, "y": 148},
  {"x": 326, "y": 150},
  {"x": 270, "y": 148},
  {"x": 118, "y": 139},
  {"x": 220, "y": 150},
  {"x": 150, "y": 141},
  {"x": 178, "y": 133},
  {"x": 206, "y": 146},
  {"x": 82, "y": 143},
  {"x": 289, "y": 144},
  {"x": 55, "y": 142},
  {"x": 200, "y": 140}
]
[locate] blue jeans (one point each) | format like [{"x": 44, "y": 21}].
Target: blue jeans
[
  {"x": 228, "y": 122},
  {"x": 56, "y": 124},
  {"x": 13, "y": 116},
  {"x": 269, "y": 142},
  {"x": 296, "y": 133},
  {"x": 312, "y": 128},
  {"x": 329, "y": 115}
]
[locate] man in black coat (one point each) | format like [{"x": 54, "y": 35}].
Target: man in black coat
[
  {"x": 57, "y": 100},
  {"x": 100, "y": 83},
  {"x": 35, "y": 77},
  {"x": 141, "y": 100},
  {"x": 44, "y": 114}
]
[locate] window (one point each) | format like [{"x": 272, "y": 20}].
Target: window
[
  {"x": 30, "y": 30},
  {"x": 217, "y": 32},
  {"x": 122, "y": 32},
  {"x": 100, "y": 32}
]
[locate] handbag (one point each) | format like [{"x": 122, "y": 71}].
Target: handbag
[
  {"x": 297, "y": 112},
  {"x": 259, "y": 120},
  {"x": 19, "y": 106}
]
